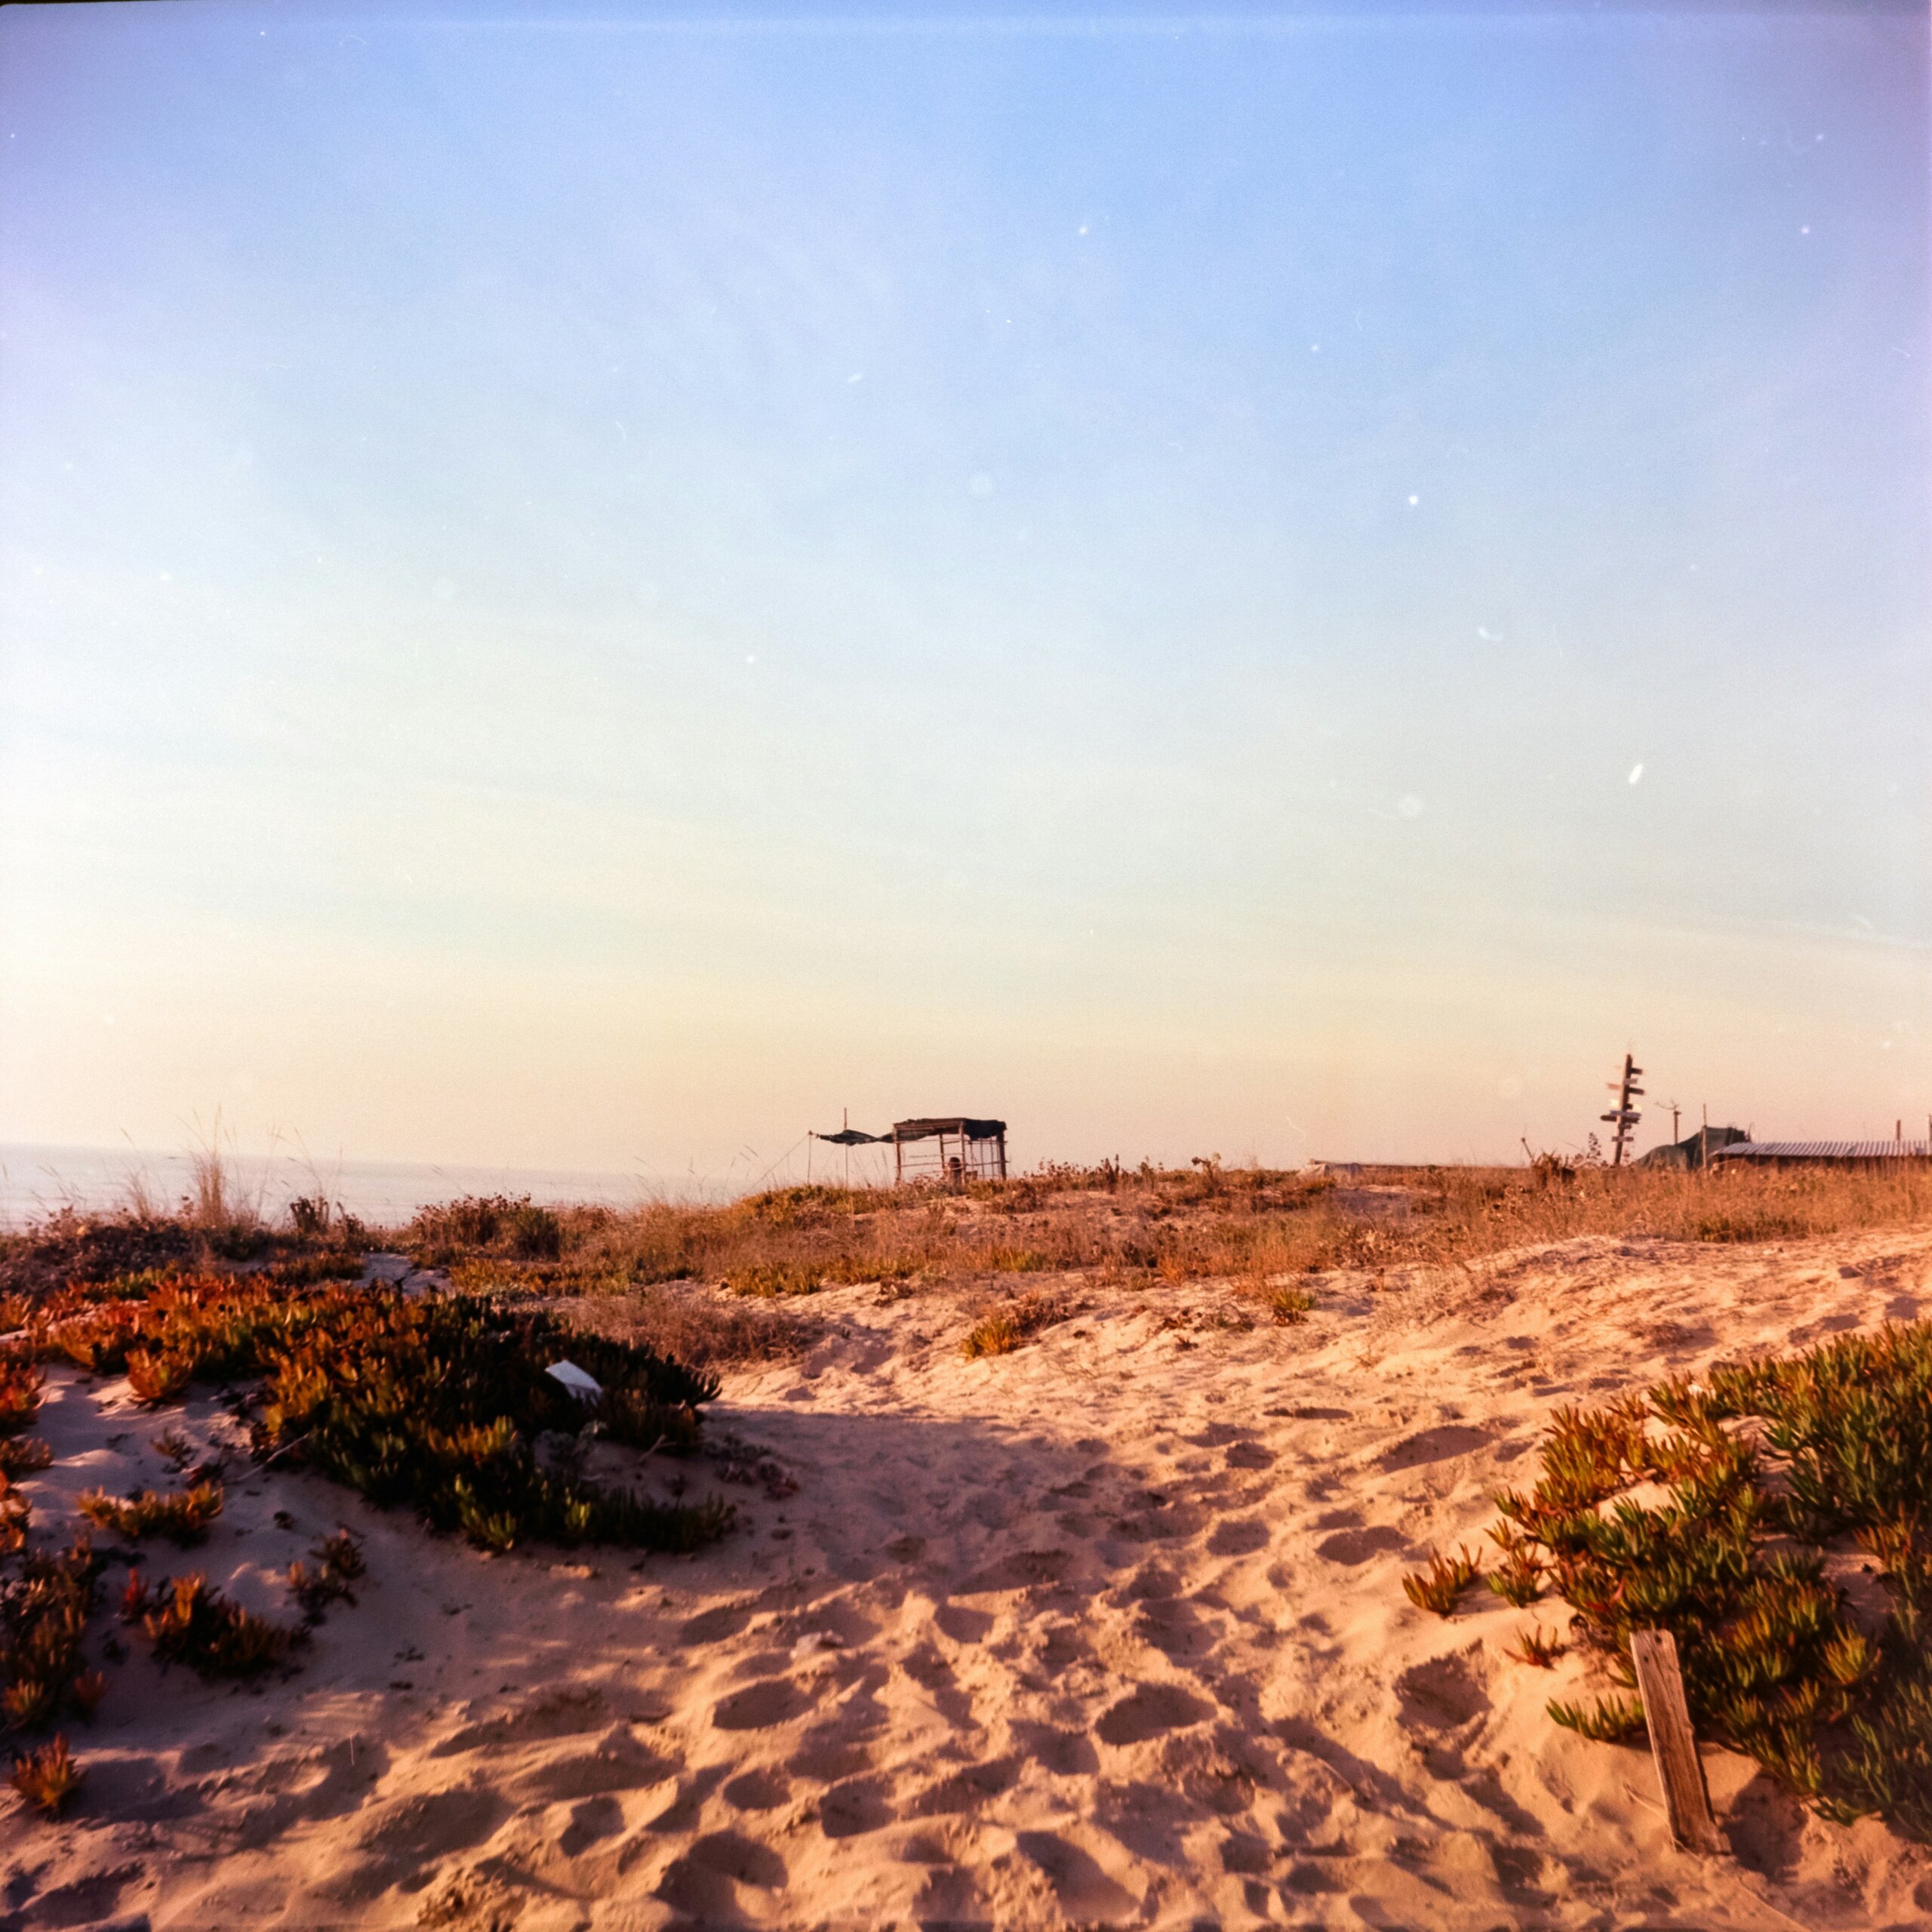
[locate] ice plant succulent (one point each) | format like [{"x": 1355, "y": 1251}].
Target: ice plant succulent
[
  {"x": 48, "y": 1778},
  {"x": 1440, "y": 1586},
  {"x": 1753, "y": 1474}
]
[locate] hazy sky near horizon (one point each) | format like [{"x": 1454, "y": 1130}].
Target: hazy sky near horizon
[{"x": 587, "y": 590}]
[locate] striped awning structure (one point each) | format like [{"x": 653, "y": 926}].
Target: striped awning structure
[{"x": 1825, "y": 1150}]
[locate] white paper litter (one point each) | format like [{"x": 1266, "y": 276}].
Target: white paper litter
[{"x": 584, "y": 1387}]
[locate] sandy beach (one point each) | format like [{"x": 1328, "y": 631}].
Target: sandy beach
[{"x": 1108, "y": 1631}]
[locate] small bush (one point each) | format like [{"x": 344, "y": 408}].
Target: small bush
[
  {"x": 771, "y": 1280},
  {"x": 1440, "y": 1586},
  {"x": 187, "y": 1623},
  {"x": 21, "y": 1385},
  {"x": 1609, "y": 1721},
  {"x": 1003, "y": 1329},
  {"x": 23, "y": 1455},
  {"x": 183, "y": 1516},
  {"x": 334, "y": 1564},
  {"x": 48, "y": 1778},
  {"x": 303, "y": 1271},
  {"x": 44, "y": 1612},
  {"x": 310, "y": 1216},
  {"x": 157, "y": 1379},
  {"x": 536, "y": 1233},
  {"x": 174, "y": 1449},
  {"x": 15, "y": 1514},
  {"x": 1733, "y": 1561},
  {"x": 1287, "y": 1304},
  {"x": 1518, "y": 1579},
  {"x": 434, "y": 1405},
  {"x": 1534, "y": 1647},
  {"x": 696, "y": 1326},
  {"x": 1756, "y": 1223},
  {"x": 28, "y": 1702},
  {"x": 518, "y": 1226}
]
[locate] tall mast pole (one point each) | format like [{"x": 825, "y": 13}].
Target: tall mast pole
[{"x": 1625, "y": 1117}]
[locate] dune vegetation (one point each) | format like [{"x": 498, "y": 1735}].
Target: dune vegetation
[{"x": 435, "y": 1401}]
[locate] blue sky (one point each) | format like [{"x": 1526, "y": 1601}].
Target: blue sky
[{"x": 589, "y": 591}]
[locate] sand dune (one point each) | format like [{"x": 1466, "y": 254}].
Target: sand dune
[{"x": 1106, "y": 1631}]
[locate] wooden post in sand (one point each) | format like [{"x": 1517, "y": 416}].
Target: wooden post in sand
[{"x": 1673, "y": 1744}]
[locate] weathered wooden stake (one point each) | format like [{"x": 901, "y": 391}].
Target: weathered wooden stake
[{"x": 1673, "y": 1744}]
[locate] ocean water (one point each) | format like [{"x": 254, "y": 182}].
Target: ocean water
[{"x": 35, "y": 1182}]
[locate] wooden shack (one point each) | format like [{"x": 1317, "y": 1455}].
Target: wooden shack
[{"x": 952, "y": 1150}]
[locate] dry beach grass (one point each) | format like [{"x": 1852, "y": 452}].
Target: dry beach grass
[{"x": 1103, "y": 1625}]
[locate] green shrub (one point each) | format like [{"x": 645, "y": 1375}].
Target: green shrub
[
  {"x": 334, "y": 1564},
  {"x": 44, "y": 1612},
  {"x": 518, "y": 1225},
  {"x": 771, "y": 1279},
  {"x": 23, "y": 1456},
  {"x": 1003, "y": 1329},
  {"x": 432, "y": 1405},
  {"x": 182, "y": 1516},
  {"x": 1440, "y": 1587},
  {"x": 1733, "y": 1562},
  {"x": 332, "y": 1265},
  {"x": 187, "y": 1623},
  {"x": 1286, "y": 1304},
  {"x": 47, "y": 1779},
  {"x": 21, "y": 1384}
]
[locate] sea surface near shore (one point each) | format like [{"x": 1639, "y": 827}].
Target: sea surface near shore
[{"x": 38, "y": 1181}]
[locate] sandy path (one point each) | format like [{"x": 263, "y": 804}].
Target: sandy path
[{"x": 1108, "y": 1631}]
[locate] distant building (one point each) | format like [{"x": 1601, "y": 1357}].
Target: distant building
[
  {"x": 1708, "y": 1144},
  {"x": 1824, "y": 1153}
]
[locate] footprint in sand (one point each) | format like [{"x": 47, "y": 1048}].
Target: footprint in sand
[
  {"x": 613, "y": 1766},
  {"x": 566, "y": 1714},
  {"x": 775, "y": 1701},
  {"x": 825, "y": 1758},
  {"x": 1434, "y": 1445},
  {"x": 1247, "y": 1857},
  {"x": 967, "y": 1789},
  {"x": 758, "y": 1791},
  {"x": 1443, "y": 1693},
  {"x": 592, "y": 1821},
  {"x": 1065, "y": 1753},
  {"x": 712, "y": 1626},
  {"x": 1084, "y": 1889},
  {"x": 1147, "y": 1711},
  {"x": 850, "y": 1811},
  {"x": 962, "y": 1623},
  {"x": 1358, "y": 1545},
  {"x": 1172, "y": 1626},
  {"x": 1238, "y": 1537},
  {"x": 434, "y": 1821}
]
